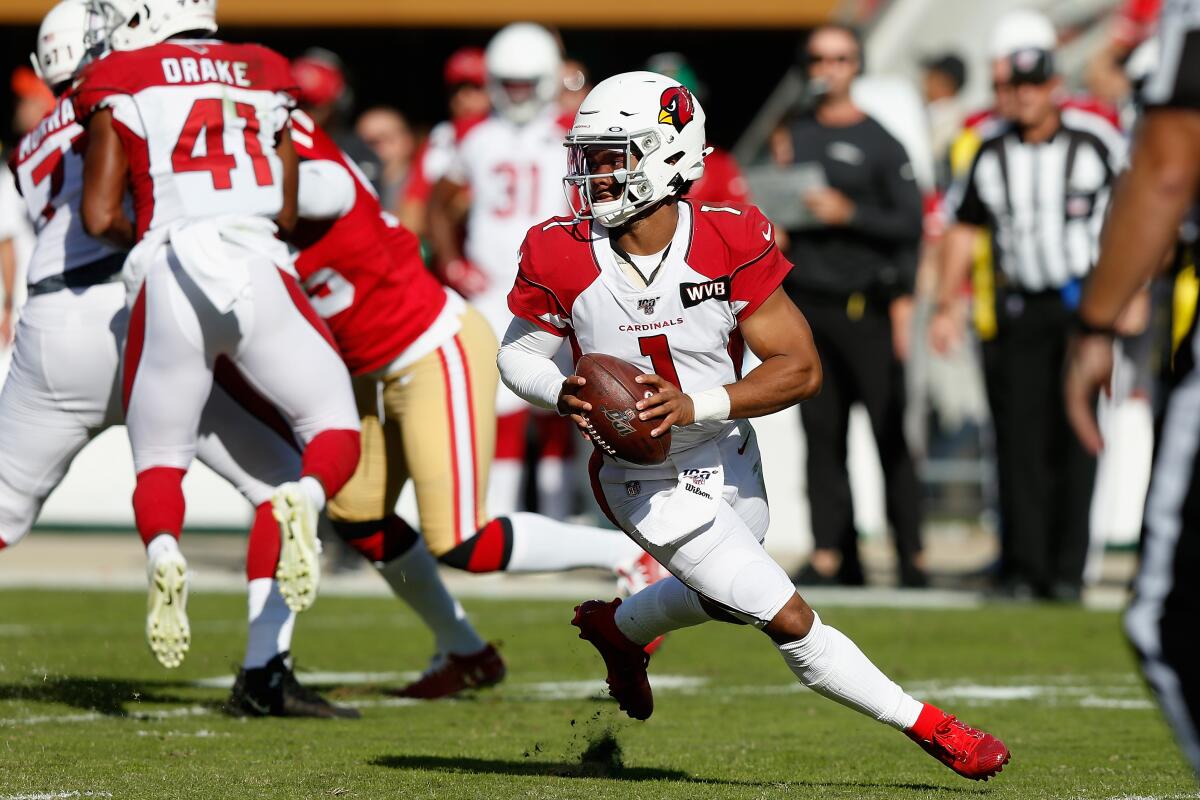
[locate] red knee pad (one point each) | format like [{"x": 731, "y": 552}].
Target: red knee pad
[
  {"x": 331, "y": 457},
  {"x": 158, "y": 504},
  {"x": 510, "y": 436},
  {"x": 379, "y": 541},
  {"x": 262, "y": 549}
]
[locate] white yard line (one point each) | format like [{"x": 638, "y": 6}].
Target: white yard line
[{"x": 1120, "y": 694}]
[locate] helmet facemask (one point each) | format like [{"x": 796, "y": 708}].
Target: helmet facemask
[{"x": 610, "y": 178}]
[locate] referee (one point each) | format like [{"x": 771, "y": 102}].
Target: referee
[
  {"x": 1148, "y": 208},
  {"x": 855, "y": 263},
  {"x": 1039, "y": 185}
]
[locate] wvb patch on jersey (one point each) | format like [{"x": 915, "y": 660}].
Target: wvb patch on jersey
[{"x": 693, "y": 294}]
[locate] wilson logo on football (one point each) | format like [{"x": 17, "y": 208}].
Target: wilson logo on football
[
  {"x": 677, "y": 107},
  {"x": 620, "y": 420}
]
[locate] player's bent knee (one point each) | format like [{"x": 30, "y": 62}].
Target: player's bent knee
[{"x": 759, "y": 589}]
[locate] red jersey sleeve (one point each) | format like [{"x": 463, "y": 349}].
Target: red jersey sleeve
[
  {"x": 760, "y": 267},
  {"x": 531, "y": 298}
]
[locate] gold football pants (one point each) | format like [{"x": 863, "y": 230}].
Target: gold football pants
[{"x": 433, "y": 422}]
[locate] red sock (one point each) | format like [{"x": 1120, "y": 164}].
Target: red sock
[
  {"x": 262, "y": 549},
  {"x": 927, "y": 720},
  {"x": 331, "y": 457},
  {"x": 158, "y": 502}
]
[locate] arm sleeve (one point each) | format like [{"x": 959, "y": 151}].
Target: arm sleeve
[
  {"x": 526, "y": 362},
  {"x": 897, "y": 217},
  {"x": 326, "y": 190},
  {"x": 753, "y": 282},
  {"x": 533, "y": 301}
]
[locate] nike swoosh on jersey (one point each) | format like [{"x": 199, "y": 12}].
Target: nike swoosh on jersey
[{"x": 767, "y": 234}]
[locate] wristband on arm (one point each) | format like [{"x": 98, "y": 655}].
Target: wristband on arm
[
  {"x": 711, "y": 405},
  {"x": 1085, "y": 328}
]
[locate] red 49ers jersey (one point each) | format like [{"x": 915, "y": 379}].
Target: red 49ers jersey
[
  {"x": 48, "y": 166},
  {"x": 199, "y": 120},
  {"x": 362, "y": 271},
  {"x": 720, "y": 267}
]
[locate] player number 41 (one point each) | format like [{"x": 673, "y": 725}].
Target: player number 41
[{"x": 207, "y": 118}]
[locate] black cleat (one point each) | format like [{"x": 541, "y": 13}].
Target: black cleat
[{"x": 273, "y": 691}]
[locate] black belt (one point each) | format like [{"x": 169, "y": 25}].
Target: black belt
[{"x": 106, "y": 270}]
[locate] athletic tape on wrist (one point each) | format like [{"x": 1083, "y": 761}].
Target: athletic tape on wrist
[{"x": 711, "y": 404}]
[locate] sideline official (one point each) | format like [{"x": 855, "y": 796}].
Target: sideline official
[
  {"x": 1039, "y": 185},
  {"x": 855, "y": 263}
]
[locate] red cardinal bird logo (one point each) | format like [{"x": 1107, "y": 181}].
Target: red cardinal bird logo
[{"x": 677, "y": 107}]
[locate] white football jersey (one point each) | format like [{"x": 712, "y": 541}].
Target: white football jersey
[
  {"x": 199, "y": 121},
  {"x": 720, "y": 267},
  {"x": 48, "y": 166},
  {"x": 515, "y": 174}
]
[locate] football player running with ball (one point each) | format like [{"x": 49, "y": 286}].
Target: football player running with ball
[{"x": 676, "y": 288}]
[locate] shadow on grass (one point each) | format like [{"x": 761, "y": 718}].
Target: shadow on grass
[
  {"x": 106, "y": 696},
  {"x": 563, "y": 769},
  {"x": 560, "y": 769}
]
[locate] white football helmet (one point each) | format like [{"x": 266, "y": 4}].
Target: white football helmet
[
  {"x": 61, "y": 47},
  {"x": 658, "y": 126},
  {"x": 133, "y": 24},
  {"x": 523, "y": 64}
]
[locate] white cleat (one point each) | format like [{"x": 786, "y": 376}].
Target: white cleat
[
  {"x": 299, "y": 568},
  {"x": 167, "y": 629},
  {"x": 638, "y": 573}
]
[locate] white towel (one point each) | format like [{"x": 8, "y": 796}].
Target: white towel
[
  {"x": 693, "y": 502},
  {"x": 216, "y": 253}
]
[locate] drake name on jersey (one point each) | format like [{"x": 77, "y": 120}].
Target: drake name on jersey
[{"x": 719, "y": 268}]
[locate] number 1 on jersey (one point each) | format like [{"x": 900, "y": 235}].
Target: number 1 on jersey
[{"x": 660, "y": 356}]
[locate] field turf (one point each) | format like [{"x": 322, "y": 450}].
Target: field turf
[{"x": 86, "y": 711}]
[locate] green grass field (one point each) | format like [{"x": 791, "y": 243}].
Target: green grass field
[{"x": 84, "y": 709}]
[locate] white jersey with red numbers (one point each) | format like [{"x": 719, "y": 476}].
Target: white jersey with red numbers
[
  {"x": 199, "y": 120},
  {"x": 719, "y": 268},
  {"x": 48, "y": 166},
  {"x": 515, "y": 174}
]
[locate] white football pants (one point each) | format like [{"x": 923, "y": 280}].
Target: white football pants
[{"x": 63, "y": 389}]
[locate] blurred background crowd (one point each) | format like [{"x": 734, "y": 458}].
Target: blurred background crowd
[{"x": 921, "y": 438}]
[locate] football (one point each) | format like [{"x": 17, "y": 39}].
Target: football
[{"x": 613, "y": 422}]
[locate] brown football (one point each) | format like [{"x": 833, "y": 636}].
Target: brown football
[{"x": 615, "y": 427}]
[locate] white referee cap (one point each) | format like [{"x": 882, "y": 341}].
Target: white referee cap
[{"x": 1022, "y": 29}]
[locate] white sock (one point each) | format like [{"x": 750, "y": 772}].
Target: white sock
[
  {"x": 315, "y": 491},
  {"x": 554, "y": 499},
  {"x": 541, "y": 544},
  {"x": 271, "y": 623},
  {"x": 664, "y": 606},
  {"x": 504, "y": 487},
  {"x": 160, "y": 546},
  {"x": 827, "y": 662},
  {"x": 414, "y": 578}
]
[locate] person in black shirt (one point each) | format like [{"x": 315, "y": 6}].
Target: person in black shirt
[{"x": 855, "y": 262}]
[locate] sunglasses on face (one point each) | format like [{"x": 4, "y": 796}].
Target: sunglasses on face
[{"x": 836, "y": 58}]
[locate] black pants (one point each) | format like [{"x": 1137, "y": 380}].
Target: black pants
[
  {"x": 1045, "y": 475},
  {"x": 1161, "y": 620},
  {"x": 859, "y": 365}
]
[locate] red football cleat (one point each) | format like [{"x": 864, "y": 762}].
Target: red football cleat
[
  {"x": 625, "y": 660},
  {"x": 972, "y": 753},
  {"x": 454, "y": 674}
]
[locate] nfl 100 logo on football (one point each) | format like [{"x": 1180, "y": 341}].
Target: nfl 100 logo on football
[{"x": 620, "y": 420}]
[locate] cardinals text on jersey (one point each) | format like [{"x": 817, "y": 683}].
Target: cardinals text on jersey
[{"x": 720, "y": 267}]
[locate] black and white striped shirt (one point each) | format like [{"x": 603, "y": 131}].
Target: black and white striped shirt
[{"x": 1043, "y": 202}]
